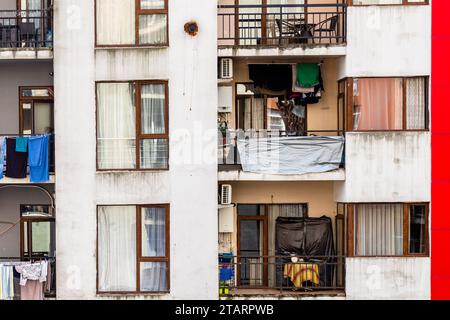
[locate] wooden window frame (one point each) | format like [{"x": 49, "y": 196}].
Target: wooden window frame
[
  {"x": 139, "y": 257},
  {"x": 404, "y": 3},
  {"x": 349, "y": 101},
  {"x": 139, "y": 135},
  {"x": 351, "y": 234},
  {"x": 138, "y": 12},
  {"x": 23, "y": 100}
]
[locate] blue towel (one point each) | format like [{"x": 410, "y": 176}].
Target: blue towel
[
  {"x": 21, "y": 144},
  {"x": 38, "y": 159},
  {"x": 226, "y": 274},
  {"x": 2, "y": 155}
]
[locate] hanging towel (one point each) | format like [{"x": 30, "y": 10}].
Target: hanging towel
[
  {"x": 295, "y": 87},
  {"x": 38, "y": 159},
  {"x": 21, "y": 144},
  {"x": 16, "y": 162},
  {"x": 2, "y": 155},
  {"x": 6, "y": 283},
  {"x": 308, "y": 75}
]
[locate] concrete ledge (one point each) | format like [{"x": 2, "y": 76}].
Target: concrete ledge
[
  {"x": 237, "y": 175},
  {"x": 26, "y": 53},
  {"x": 7, "y": 180},
  {"x": 291, "y": 51}
]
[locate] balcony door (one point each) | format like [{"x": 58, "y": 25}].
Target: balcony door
[{"x": 36, "y": 111}]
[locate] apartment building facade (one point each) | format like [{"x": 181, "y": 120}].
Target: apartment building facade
[{"x": 189, "y": 159}]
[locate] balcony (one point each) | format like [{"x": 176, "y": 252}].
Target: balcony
[
  {"x": 26, "y": 34},
  {"x": 291, "y": 27}
]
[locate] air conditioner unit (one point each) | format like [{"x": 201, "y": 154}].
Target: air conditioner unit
[
  {"x": 225, "y": 96},
  {"x": 225, "y": 194},
  {"x": 226, "y": 68}
]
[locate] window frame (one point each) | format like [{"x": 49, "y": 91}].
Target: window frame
[
  {"x": 139, "y": 135},
  {"x": 138, "y": 13},
  {"x": 404, "y": 3},
  {"x": 139, "y": 257},
  {"x": 351, "y": 234},
  {"x": 31, "y": 100},
  {"x": 348, "y": 119}
]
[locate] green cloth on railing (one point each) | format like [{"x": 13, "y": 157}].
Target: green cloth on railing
[{"x": 308, "y": 75}]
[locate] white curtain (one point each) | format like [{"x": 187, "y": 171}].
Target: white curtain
[
  {"x": 154, "y": 153},
  {"x": 115, "y": 22},
  {"x": 152, "y": 4},
  {"x": 415, "y": 103},
  {"x": 258, "y": 114},
  {"x": 379, "y": 230},
  {"x": 152, "y": 108},
  {"x": 153, "y": 29},
  {"x": 116, "y": 126},
  {"x": 117, "y": 248},
  {"x": 153, "y": 276},
  {"x": 153, "y": 232},
  {"x": 373, "y": 2}
]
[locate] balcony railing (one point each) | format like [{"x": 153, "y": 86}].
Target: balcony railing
[
  {"x": 282, "y": 25},
  {"x": 279, "y": 274},
  {"x": 26, "y": 29}
]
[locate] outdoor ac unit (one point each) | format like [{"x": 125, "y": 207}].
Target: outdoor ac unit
[
  {"x": 226, "y": 68},
  {"x": 225, "y": 194},
  {"x": 225, "y": 95}
]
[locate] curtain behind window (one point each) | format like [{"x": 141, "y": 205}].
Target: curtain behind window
[
  {"x": 415, "y": 103},
  {"x": 378, "y": 230},
  {"x": 378, "y": 104},
  {"x": 153, "y": 29},
  {"x": 117, "y": 248},
  {"x": 153, "y": 232},
  {"x": 152, "y": 108},
  {"x": 116, "y": 126},
  {"x": 115, "y": 22}
]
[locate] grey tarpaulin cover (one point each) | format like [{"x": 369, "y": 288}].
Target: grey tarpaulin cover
[
  {"x": 311, "y": 237},
  {"x": 290, "y": 155}
]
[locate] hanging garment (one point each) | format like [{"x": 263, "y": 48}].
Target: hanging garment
[
  {"x": 32, "y": 271},
  {"x": 295, "y": 86},
  {"x": 33, "y": 290},
  {"x": 308, "y": 75},
  {"x": 21, "y": 144},
  {"x": 16, "y": 162},
  {"x": 2, "y": 155},
  {"x": 275, "y": 77},
  {"x": 6, "y": 282},
  {"x": 38, "y": 159}
]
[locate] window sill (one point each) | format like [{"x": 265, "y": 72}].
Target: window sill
[
  {"x": 128, "y": 47},
  {"x": 132, "y": 294}
]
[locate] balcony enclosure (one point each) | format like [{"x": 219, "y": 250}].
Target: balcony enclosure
[
  {"x": 281, "y": 22},
  {"x": 26, "y": 24}
]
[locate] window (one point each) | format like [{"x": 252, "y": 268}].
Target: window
[
  {"x": 387, "y": 104},
  {"x": 387, "y": 2},
  {"x": 133, "y": 249},
  {"x": 388, "y": 229},
  {"x": 132, "y": 125},
  {"x": 131, "y": 23}
]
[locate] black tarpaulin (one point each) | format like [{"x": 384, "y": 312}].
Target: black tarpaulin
[{"x": 306, "y": 237}]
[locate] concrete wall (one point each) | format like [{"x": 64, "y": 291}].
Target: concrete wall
[
  {"x": 388, "y": 278},
  {"x": 10, "y": 200},
  {"x": 190, "y": 65},
  {"x": 12, "y": 75},
  {"x": 8, "y": 5},
  {"x": 386, "y": 167},
  {"x": 373, "y": 32}
]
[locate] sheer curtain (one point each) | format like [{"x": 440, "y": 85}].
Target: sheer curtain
[
  {"x": 379, "y": 229},
  {"x": 117, "y": 248},
  {"x": 116, "y": 126},
  {"x": 378, "y": 104},
  {"x": 415, "y": 103},
  {"x": 153, "y": 29},
  {"x": 258, "y": 114},
  {"x": 273, "y": 212},
  {"x": 115, "y": 22},
  {"x": 152, "y": 108}
]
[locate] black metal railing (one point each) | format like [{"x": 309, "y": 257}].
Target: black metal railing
[
  {"x": 26, "y": 29},
  {"x": 281, "y": 273},
  {"x": 228, "y": 141},
  {"x": 279, "y": 25}
]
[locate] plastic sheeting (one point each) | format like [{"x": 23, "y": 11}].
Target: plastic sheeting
[
  {"x": 290, "y": 155},
  {"x": 310, "y": 237}
]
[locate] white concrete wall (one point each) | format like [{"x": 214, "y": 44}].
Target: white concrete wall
[
  {"x": 386, "y": 167},
  {"x": 388, "y": 278},
  {"x": 387, "y": 41},
  {"x": 190, "y": 186}
]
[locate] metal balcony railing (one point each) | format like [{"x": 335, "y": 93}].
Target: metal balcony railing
[
  {"x": 280, "y": 25},
  {"x": 26, "y": 29}
]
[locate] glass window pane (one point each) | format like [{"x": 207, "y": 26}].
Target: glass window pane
[
  {"x": 417, "y": 229},
  {"x": 153, "y": 232},
  {"x": 153, "y": 276},
  {"x": 250, "y": 210},
  {"x": 117, "y": 248},
  {"x": 152, "y": 4},
  {"x": 116, "y": 130},
  {"x": 35, "y": 93},
  {"x": 154, "y": 154},
  {"x": 378, "y": 104},
  {"x": 27, "y": 113},
  {"x": 115, "y": 22},
  {"x": 152, "y": 108},
  {"x": 371, "y": 2},
  {"x": 415, "y": 103},
  {"x": 40, "y": 237},
  {"x": 43, "y": 117},
  {"x": 153, "y": 29},
  {"x": 25, "y": 238}
]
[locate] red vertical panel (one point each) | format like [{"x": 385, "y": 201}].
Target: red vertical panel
[{"x": 440, "y": 146}]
